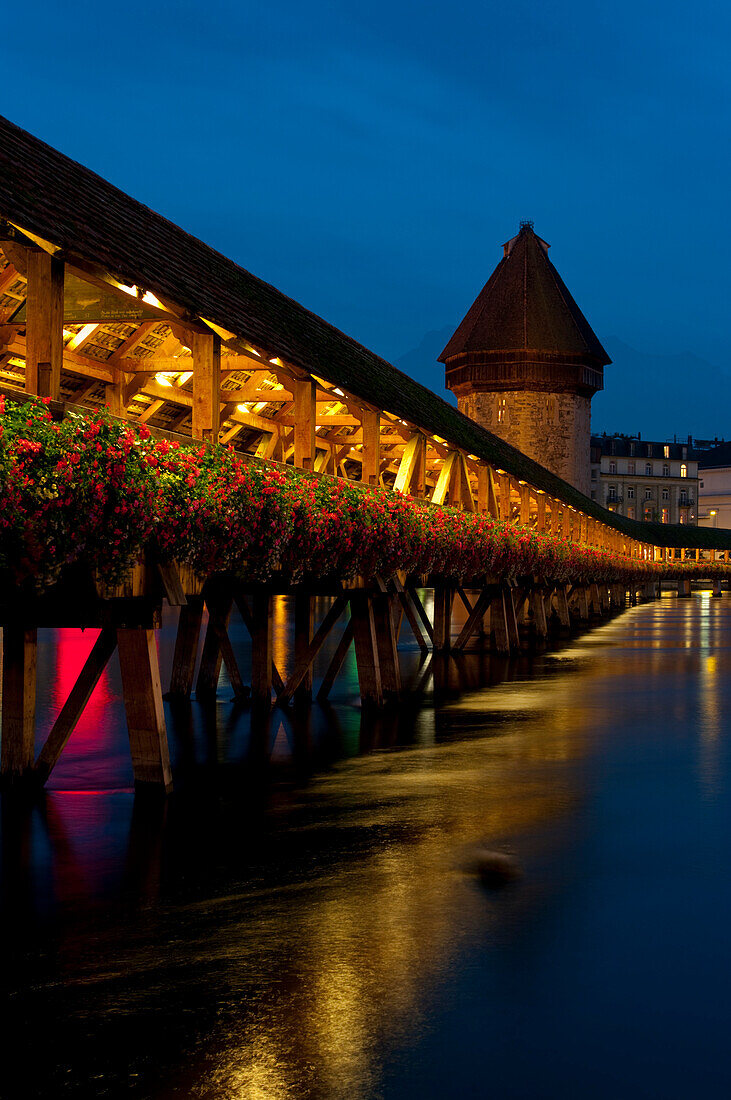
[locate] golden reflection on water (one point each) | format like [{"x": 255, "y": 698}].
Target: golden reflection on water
[{"x": 317, "y": 972}]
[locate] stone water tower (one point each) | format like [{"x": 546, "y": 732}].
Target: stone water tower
[{"x": 525, "y": 362}]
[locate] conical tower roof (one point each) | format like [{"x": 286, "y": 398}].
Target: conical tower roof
[{"x": 525, "y": 305}]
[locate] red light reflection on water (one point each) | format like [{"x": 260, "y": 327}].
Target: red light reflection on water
[{"x": 97, "y": 753}]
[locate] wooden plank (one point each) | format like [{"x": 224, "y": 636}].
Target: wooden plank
[
  {"x": 74, "y": 706},
  {"x": 206, "y": 386},
  {"x": 306, "y": 655},
  {"x": 338, "y": 657},
  {"x": 20, "y": 646},
  {"x": 143, "y": 705},
  {"x": 186, "y": 648},
  {"x": 44, "y": 328},
  {"x": 305, "y": 419}
]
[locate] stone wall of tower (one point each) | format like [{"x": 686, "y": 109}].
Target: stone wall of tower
[{"x": 552, "y": 428}]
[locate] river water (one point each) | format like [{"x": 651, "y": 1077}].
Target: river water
[{"x": 299, "y": 920}]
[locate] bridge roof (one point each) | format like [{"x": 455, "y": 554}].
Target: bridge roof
[
  {"x": 525, "y": 305},
  {"x": 48, "y": 195}
]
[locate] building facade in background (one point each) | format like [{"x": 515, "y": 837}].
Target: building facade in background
[
  {"x": 651, "y": 482},
  {"x": 525, "y": 363},
  {"x": 714, "y": 486}
]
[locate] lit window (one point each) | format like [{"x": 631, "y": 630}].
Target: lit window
[
  {"x": 665, "y": 515},
  {"x": 666, "y": 451},
  {"x": 683, "y": 470}
]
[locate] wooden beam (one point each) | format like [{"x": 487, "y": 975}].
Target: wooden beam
[
  {"x": 44, "y": 326},
  {"x": 304, "y": 424},
  {"x": 206, "y": 386},
  {"x": 143, "y": 705},
  {"x": 444, "y": 481},
  {"x": 411, "y": 465}
]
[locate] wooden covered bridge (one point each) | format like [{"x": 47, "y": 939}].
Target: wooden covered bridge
[{"x": 105, "y": 303}]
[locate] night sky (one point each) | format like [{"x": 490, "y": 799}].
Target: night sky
[{"x": 370, "y": 159}]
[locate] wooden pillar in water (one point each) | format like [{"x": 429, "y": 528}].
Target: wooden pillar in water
[
  {"x": 143, "y": 705},
  {"x": 20, "y": 645},
  {"x": 302, "y": 637},
  {"x": 513, "y": 634},
  {"x": 366, "y": 647},
  {"x": 388, "y": 660},
  {"x": 717, "y": 588},
  {"x": 443, "y": 603},
  {"x": 186, "y": 647},
  {"x": 499, "y": 622},
  {"x": 262, "y": 648}
]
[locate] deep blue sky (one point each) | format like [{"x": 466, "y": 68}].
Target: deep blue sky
[{"x": 370, "y": 159}]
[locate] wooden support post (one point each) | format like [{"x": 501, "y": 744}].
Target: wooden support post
[
  {"x": 73, "y": 708},
  {"x": 506, "y": 509},
  {"x": 303, "y": 622},
  {"x": 583, "y": 603},
  {"x": 562, "y": 605},
  {"x": 717, "y": 588},
  {"x": 218, "y": 622},
  {"x": 44, "y": 326},
  {"x": 262, "y": 648},
  {"x": 305, "y": 419},
  {"x": 541, "y": 517},
  {"x": 443, "y": 603},
  {"x": 366, "y": 647},
  {"x": 186, "y": 648},
  {"x": 113, "y": 394},
  {"x": 20, "y": 646},
  {"x": 538, "y": 608},
  {"x": 525, "y": 505},
  {"x": 143, "y": 705},
  {"x": 206, "y": 350},
  {"x": 499, "y": 621},
  {"x": 513, "y": 634},
  {"x": 371, "y": 447},
  {"x": 336, "y": 663},
  {"x": 212, "y": 658},
  {"x": 388, "y": 659}
]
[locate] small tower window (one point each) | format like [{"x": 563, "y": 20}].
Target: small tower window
[{"x": 502, "y": 412}]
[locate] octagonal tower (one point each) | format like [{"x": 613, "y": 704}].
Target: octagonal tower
[{"x": 525, "y": 363}]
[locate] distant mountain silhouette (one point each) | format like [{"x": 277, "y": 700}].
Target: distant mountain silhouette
[{"x": 658, "y": 395}]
